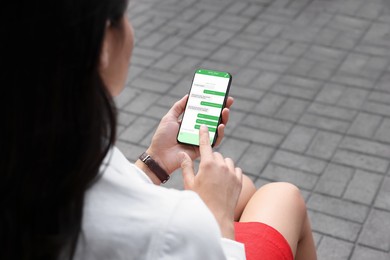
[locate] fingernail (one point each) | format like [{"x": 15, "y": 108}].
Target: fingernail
[{"x": 204, "y": 127}]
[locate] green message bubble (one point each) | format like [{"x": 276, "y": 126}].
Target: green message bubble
[
  {"x": 209, "y": 104},
  {"x": 215, "y": 93},
  {"x": 215, "y": 118},
  {"x": 206, "y": 122}
]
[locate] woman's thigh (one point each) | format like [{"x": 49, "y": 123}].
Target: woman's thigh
[{"x": 281, "y": 206}]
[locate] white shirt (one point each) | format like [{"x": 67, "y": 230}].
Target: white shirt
[{"x": 126, "y": 216}]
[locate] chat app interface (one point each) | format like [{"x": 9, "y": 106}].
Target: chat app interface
[{"x": 204, "y": 105}]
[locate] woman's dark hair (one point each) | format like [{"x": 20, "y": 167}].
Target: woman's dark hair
[{"x": 58, "y": 120}]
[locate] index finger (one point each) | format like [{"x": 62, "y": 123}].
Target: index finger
[{"x": 204, "y": 141}]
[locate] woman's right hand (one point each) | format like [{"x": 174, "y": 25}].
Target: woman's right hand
[{"x": 218, "y": 182}]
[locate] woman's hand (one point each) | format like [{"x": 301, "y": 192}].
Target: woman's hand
[
  {"x": 218, "y": 182},
  {"x": 164, "y": 147}
]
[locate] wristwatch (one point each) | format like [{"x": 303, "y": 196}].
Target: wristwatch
[{"x": 154, "y": 167}]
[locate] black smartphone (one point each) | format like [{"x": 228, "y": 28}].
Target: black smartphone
[{"x": 207, "y": 97}]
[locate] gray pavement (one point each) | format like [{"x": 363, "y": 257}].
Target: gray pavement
[{"x": 311, "y": 81}]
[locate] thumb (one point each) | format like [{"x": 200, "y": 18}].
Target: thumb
[{"x": 187, "y": 170}]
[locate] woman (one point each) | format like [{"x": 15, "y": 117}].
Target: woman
[{"x": 68, "y": 193}]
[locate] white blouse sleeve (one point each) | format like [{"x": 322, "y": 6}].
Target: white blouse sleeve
[{"x": 195, "y": 237}]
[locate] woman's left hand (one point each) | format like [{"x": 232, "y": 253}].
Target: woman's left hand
[{"x": 164, "y": 147}]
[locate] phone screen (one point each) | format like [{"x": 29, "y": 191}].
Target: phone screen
[{"x": 206, "y": 100}]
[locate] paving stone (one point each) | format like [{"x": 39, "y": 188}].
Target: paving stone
[
  {"x": 205, "y": 16},
  {"x": 267, "y": 124},
  {"x": 363, "y": 187},
  {"x": 299, "y": 178},
  {"x": 235, "y": 118},
  {"x": 214, "y": 35},
  {"x": 354, "y": 63},
  {"x": 365, "y": 146},
  {"x": 244, "y": 105},
  {"x": 330, "y": 93},
  {"x": 193, "y": 52},
  {"x": 361, "y": 161},
  {"x": 376, "y": 108},
  {"x": 334, "y": 249},
  {"x": 248, "y": 42},
  {"x": 255, "y": 27},
  {"x": 365, "y": 125},
  {"x": 138, "y": 130},
  {"x": 147, "y": 139},
  {"x": 230, "y": 22},
  {"x": 292, "y": 109},
  {"x": 383, "y": 199},
  {"x": 317, "y": 238},
  {"x": 269, "y": 104},
  {"x": 294, "y": 91},
  {"x": 277, "y": 46},
  {"x": 255, "y": 158},
  {"x": 383, "y": 83},
  {"x": 296, "y": 49},
  {"x": 299, "y": 162},
  {"x": 246, "y": 75},
  {"x": 187, "y": 65},
  {"x": 257, "y": 136},
  {"x": 233, "y": 148},
  {"x": 324, "y": 123},
  {"x": 301, "y": 82},
  {"x": 125, "y": 96},
  {"x": 150, "y": 84},
  {"x": 324, "y": 54},
  {"x": 326, "y": 36},
  {"x": 335, "y": 227},
  {"x": 375, "y": 232},
  {"x": 364, "y": 253},
  {"x": 332, "y": 111},
  {"x": 352, "y": 98},
  {"x": 142, "y": 102},
  {"x": 160, "y": 76},
  {"x": 322, "y": 70},
  {"x": 253, "y": 10},
  {"x": 380, "y": 97},
  {"x": 334, "y": 180},
  {"x": 353, "y": 81},
  {"x": 168, "y": 61},
  {"x": 369, "y": 10},
  {"x": 298, "y": 139},
  {"x": 324, "y": 145},
  {"x": 271, "y": 62},
  {"x": 175, "y": 181},
  {"x": 125, "y": 119},
  {"x": 265, "y": 80},
  {"x": 302, "y": 67},
  {"x": 383, "y": 133},
  {"x": 245, "y": 93},
  {"x": 152, "y": 40},
  {"x": 338, "y": 207},
  {"x": 156, "y": 111}
]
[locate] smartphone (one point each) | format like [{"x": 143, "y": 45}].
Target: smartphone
[{"x": 207, "y": 97}]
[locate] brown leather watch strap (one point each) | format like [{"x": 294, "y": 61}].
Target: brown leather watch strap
[{"x": 154, "y": 167}]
